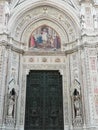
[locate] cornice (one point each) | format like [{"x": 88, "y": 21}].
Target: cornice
[
  {"x": 96, "y": 4},
  {"x": 89, "y": 35},
  {"x": 81, "y": 47},
  {"x": 61, "y": 53},
  {"x": 86, "y": 1},
  {"x": 12, "y": 47},
  {"x": 49, "y": 53}
]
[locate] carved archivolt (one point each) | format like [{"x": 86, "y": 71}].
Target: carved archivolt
[
  {"x": 48, "y": 14},
  {"x": 72, "y": 3},
  {"x": 44, "y": 15}
]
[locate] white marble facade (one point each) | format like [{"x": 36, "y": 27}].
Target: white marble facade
[{"x": 50, "y": 35}]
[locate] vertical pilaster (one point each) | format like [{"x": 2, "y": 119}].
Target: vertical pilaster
[
  {"x": 19, "y": 92},
  {"x": 3, "y": 58},
  {"x": 1, "y": 15},
  {"x": 89, "y": 27},
  {"x": 90, "y": 82},
  {"x": 75, "y": 79}
]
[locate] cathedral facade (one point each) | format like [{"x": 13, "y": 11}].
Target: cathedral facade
[{"x": 48, "y": 64}]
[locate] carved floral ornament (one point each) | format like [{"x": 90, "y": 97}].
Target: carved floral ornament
[
  {"x": 48, "y": 15},
  {"x": 54, "y": 18}
]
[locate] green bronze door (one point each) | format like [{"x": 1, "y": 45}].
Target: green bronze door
[{"x": 44, "y": 101}]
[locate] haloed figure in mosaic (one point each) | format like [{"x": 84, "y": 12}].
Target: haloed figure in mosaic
[{"x": 44, "y": 37}]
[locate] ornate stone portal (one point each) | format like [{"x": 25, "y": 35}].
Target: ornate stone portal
[
  {"x": 49, "y": 35},
  {"x": 44, "y": 66}
]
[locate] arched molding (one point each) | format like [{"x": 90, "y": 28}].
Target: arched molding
[
  {"x": 73, "y": 3},
  {"x": 52, "y": 23},
  {"x": 26, "y": 8},
  {"x": 61, "y": 5}
]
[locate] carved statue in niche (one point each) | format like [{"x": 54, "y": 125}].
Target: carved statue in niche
[
  {"x": 7, "y": 12},
  {"x": 77, "y": 98},
  {"x": 77, "y": 103},
  {"x": 95, "y": 19},
  {"x": 12, "y": 95},
  {"x": 95, "y": 22},
  {"x": 82, "y": 16},
  {"x": 83, "y": 24},
  {"x": 11, "y": 103}
]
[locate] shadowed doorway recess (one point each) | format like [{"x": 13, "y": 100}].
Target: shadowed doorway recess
[{"x": 44, "y": 101}]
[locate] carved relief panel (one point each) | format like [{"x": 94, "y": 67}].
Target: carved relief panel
[
  {"x": 93, "y": 89},
  {"x": 90, "y": 81}
]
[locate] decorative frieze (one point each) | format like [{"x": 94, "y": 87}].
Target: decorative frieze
[
  {"x": 44, "y": 59},
  {"x": 89, "y": 39}
]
